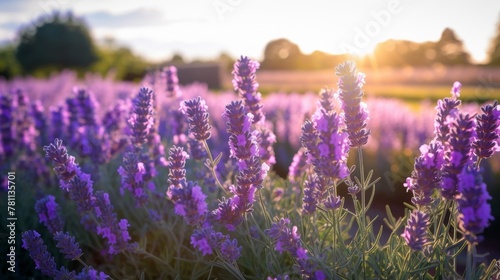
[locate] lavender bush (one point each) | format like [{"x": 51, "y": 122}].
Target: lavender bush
[{"x": 172, "y": 183}]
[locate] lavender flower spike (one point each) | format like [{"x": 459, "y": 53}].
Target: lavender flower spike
[
  {"x": 169, "y": 73},
  {"x": 66, "y": 243},
  {"x": 487, "y": 125},
  {"x": 196, "y": 111},
  {"x": 458, "y": 154},
  {"x": 473, "y": 208},
  {"x": 415, "y": 231},
  {"x": 426, "y": 175},
  {"x": 142, "y": 119},
  {"x": 355, "y": 112},
  {"x": 245, "y": 84},
  {"x": 47, "y": 210},
  {"x": 447, "y": 111},
  {"x": 38, "y": 253},
  {"x": 287, "y": 239}
]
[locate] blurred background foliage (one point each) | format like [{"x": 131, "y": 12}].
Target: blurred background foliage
[{"x": 63, "y": 41}]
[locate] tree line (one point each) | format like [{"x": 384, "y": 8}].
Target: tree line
[{"x": 61, "y": 41}]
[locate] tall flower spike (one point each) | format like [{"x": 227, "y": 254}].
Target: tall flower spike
[
  {"x": 287, "y": 239},
  {"x": 298, "y": 166},
  {"x": 196, "y": 111},
  {"x": 142, "y": 119},
  {"x": 115, "y": 232},
  {"x": 415, "y": 233},
  {"x": 132, "y": 172},
  {"x": 459, "y": 153},
  {"x": 38, "y": 253},
  {"x": 245, "y": 84},
  {"x": 355, "y": 112},
  {"x": 47, "y": 210},
  {"x": 66, "y": 243},
  {"x": 447, "y": 111},
  {"x": 169, "y": 73},
  {"x": 487, "y": 124},
  {"x": 176, "y": 170},
  {"x": 426, "y": 175},
  {"x": 473, "y": 208}
]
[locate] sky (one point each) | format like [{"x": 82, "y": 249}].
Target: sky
[{"x": 204, "y": 28}]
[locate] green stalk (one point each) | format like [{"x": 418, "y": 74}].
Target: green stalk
[
  {"x": 212, "y": 166},
  {"x": 363, "y": 205}
]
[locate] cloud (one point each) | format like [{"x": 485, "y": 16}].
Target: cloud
[{"x": 134, "y": 18}]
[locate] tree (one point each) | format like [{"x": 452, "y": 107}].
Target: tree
[
  {"x": 55, "y": 42},
  {"x": 450, "y": 50},
  {"x": 281, "y": 54},
  {"x": 8, "y": 63},
  {"x": 494, "y": 51}
]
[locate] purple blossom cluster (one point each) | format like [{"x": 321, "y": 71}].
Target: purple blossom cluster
[
  {"x": 142, "y": 120},
  {"x": 188, "y": 197},
  {"x": 80, "y": 189},
  {"x": 245, "y": 84},
  {"x": 207, "y": 241},
  {"x": 251, "y": 171},
  {"x": 426, "y": 175},
  {"x": 473, "y": 208},
  {"x": 48, "y": 214},
  {"x": 488, "y": 123},
  {"x": 44, "y": 261},
  {"x": 196, "y": 111},
  {"x": 355, "y": 112},
  {"x": 457, "y": 154},
  {"x": 169, "y": 75},
  {"x": 298, "y": 166},
  {"x": 415, "y": 232},
  {"x": 287, "y": 239},
  {"x": 326, "y": 144}
]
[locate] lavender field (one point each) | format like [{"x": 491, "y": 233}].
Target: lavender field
[{"x": 118, "y": 180}]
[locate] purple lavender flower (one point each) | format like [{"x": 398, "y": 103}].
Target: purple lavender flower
[
  {"x": 142, "y": 119},
  {"x": 177, "y": 169},
  {"x": 196, "y": 111},
  {"x": 266, "y": 139},
  {"x": 38, "y": 116},
  {"x": 7, "y": 107},
  {"x": 310, "y": 199},
  {"x": 287, "y": 239},
  {"x": 228, "y": 212},
  {"x": 206, "y": 240},
  {"x": 326, "y": 145},
  {"x": 169, "y": 73},
  {"x": 196, "y": 149},
  {"x": 109, "y": 228},
  {"x": 38, "y": 253},
  {"x": 242, "y": 142},
  {"x": 332, "y": 202},
  {"x": 91, "y": 274},
  {"x": 355, "y": 113},
  {"x": 58, "y": 123},
  {"x": 298, "y": 166},
  {"x": 66, "y": 243},
  {"x": 245, "y": 85},
  {"x": 426, "y": 175},
  {"x": 190, "y": 202},
  {"x": 473, "y": 208},
  {"x": 230, "y": 250},
  {"x": 459, "y": 153},
  {"x": 447, "y": 111},
  {"x": 487, "y": 125},
  {"x": 47, "y": 210},
  {"x": 415, "y": 233},
  {"x": 64, "y": 164},
  {"x": 132, "y": 172}
]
